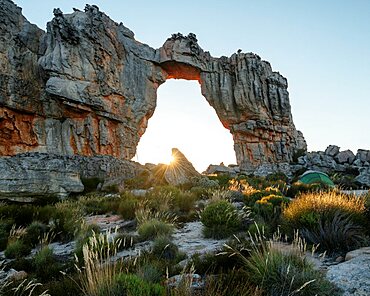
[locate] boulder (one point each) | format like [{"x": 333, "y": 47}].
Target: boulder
[
  {"x": 363, "y": 155},
  {"x": 29, "y": 176},
  {"x": 352, "y": 276},
  {"x": 332, "y": 150},
  {"x": 24, "y": 178},
  {"x": 219, "y": 169},
  {"x": 346, "y": 156},
  {"x": 180, "y": 170},
  {"x": 364, "y": 176}
]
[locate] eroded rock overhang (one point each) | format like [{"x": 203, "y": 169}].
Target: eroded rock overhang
[{"x": 87, "y": 87}]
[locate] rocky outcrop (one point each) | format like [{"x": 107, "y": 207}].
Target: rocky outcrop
[
  {"x": 221, "y": 169},
  {"x": 30, "y": 176},
  {"x": 353, "y": 275},
  {"x": 180, "y": 170},
  {"x": 335, "y": 161},
  {"x": 87, "y": 87}
]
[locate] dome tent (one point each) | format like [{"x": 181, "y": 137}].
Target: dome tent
[{"x": 311, "y": 177}]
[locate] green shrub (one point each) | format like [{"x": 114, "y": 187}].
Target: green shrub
[
  {"x": 127, "y": 207},
  {"x": 83, "y": 238},
  {"x": 184, "y": 202},
  {"x": 221, "y": 179},
  {"x": 337, "y": 235},
  {"x": 34, "y": 233},
  {"x": 298, "y": 188},
  {"x": 232, "y": 283},
  {"x": 258, "y": 227},
  {"x": 17, "y": 249},
  {"x": 130, "y": 284},
  {"x": 142, "y": 181},
  {"x": 4, "y": 233},
  {"x": 163, "y": 248},
  {"x": 220, "y": 219},
  {"x": 45, "y": 265},
  {"x": 153, "y": 228},
  {"x": 150, "y": 272},
  {"x": 21, "y": 215},
  {"x": 66, "y": 220},
  {"x": 66, "y": 286},
  {"x": 278, "y": 273},
  {"x": 327, "y": 218}
]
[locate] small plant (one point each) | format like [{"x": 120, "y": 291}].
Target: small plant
[
  {"x": 130, "y": 284},
  {"x": 127, "y": 207},
  {"x": 153, "y": 228},
  {"x": 335, "y": 221},
  {"x": 17, "y": 249},
  {"x": 337, "y": 235},
  {"x": 220, "y": 219},
  {"x": 163, "y": 248},
  {"x": 44, "y": 259},
  {"x": 34, "y": 233},
  {"x": 305, "y": 211},
  {"x": 97, "y": 278},
  {"x": 279, "y": 272}
]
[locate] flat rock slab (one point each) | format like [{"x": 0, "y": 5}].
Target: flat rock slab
[
  {"x": 190, "y": 240},
  {"x": 352, "y": 276},
  {"x": 109, "y": 222}
]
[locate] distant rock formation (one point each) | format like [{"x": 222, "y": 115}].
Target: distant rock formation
[
  {"x": 180, "y": 170},
  {"x": 333, "y": 160},
  {"x": 87, "y": 87}
]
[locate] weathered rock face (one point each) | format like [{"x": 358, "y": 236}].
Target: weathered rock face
[
  {"x": 180, "y": 170},
  {"x": 87, "y": 87},
  {"x": 30, "y": 176},
  {"x": 250, "y": 99},
  {"x": 335, "y": 161}
]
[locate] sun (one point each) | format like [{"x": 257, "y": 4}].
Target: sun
[{"x": 172, "y": 160}]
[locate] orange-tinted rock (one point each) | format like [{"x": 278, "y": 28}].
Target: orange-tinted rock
[{"x": 87, "y": 87}]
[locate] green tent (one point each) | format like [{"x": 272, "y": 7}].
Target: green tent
[{"x": 311, "y": 177}]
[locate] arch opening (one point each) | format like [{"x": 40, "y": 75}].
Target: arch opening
[{"x": 184, "y": 119}]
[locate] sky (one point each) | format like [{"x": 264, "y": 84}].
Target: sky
[{"x": 321, "y": 47}]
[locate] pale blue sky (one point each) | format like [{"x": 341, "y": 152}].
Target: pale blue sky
[{"x": 321, "y": 47}]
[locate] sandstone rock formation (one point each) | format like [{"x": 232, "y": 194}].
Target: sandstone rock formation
[
  {"x": 180, "y": 170},
  {"x": 353, "y": 275},
  {"x": 335, "y": 161},
  {"x": 87, "y": 87},
  {"x": 29, "y": 176}
]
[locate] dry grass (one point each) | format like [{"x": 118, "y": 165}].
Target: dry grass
[
  {"x": 323, "y": 202},
  {"x": 99, "y": 272}
]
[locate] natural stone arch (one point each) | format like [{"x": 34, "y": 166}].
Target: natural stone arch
[{"x": 91, "y": 88}]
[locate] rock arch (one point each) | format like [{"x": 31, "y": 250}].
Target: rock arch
[{"x": 87, "y": 87}]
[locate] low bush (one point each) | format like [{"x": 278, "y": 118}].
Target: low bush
[
  {"x": 151, "y": 272},
  {"x": 278, "y": 273},
  {"x": 327, "y": 218},
  {"x": 163, "y": 248},
  {"x": 17, "y": 249},
  {"x": 34, "y": 233},
  {"x": 66, "y": 220},
  {"x": 130, "y": 284},
  {"x": 22, "y": 215},
  {"x": 127, "y": 206},
  {"x": 298, "y": 188},
  {"x": 338, "y": 235},
  {"x": 5, "y": 226},
  {"x": 153, "y": 228},
  {"x": 220, "y": 219},
  {"x": 45, "y": 265}
]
